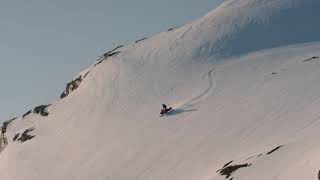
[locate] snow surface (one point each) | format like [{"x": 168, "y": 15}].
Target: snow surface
[{"x": 239, "y": 85}]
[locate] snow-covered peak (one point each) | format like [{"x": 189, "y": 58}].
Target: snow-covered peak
[
  {"x": 240, "y": 109},
  {"x": 242, "y": 26}
]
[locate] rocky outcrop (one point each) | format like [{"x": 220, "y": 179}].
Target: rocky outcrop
[
  {"x": 6, "y": 124},
  {"x": 21, "y": 137},
  {"x": 15, "y": 138},
  {"x": 24, "y": 136},
  {"x": 42, "y": 110},
  {"x": 112, "y": 52},
  {"x": 230, "y": 168},
  {"x": 3, "y": 142},
  {"x": 71, "y": 86},
  {"x": 108, "y": 54},
  {"x": 3, "y": 138}
]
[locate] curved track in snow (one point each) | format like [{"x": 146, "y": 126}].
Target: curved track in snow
[{"x": 205, "y": 92}]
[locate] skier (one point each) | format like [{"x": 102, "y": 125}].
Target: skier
[
  {"x": 164, "y": 107},
  {"x": 165, "y": 110}
]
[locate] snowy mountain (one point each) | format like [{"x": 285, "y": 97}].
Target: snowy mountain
[{"x": 243, "y": 83}]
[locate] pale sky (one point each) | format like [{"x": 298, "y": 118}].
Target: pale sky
[{"x": 44, "y": 43}]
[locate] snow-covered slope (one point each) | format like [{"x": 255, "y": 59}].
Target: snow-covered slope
[{"x": 241, "y": 110}]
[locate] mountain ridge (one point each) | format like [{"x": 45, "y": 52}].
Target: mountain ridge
[{"x": 244, "y": 97}]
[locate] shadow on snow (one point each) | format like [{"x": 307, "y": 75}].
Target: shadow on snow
[{"x": 180, "y": 111}]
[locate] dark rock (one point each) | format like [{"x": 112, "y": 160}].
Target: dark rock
[
  {"x": 105, "y": 56},
  {"x": 3, "y": 138},
  {"x": 111, "y": 54},
  {"x": 42, "y": 110},
  {"x": 27, "y": 113},
  {"x": 250, "y": 158},
  {"x": 16, "y": 137},
  {"x": 25, "y": 136},
  {"x": 225, "y": 166},
  {"x": 71, "y": 86},
  {"x": 3, "y": 142},
  {"x": 274, "y": 150},
  {"x": 229, "y": 170},
  {"x": 86, "y": 75},
  {"x": 111, "y": 51},
  {"x": 6, "y": 124},
  {"x": 98, "y": 62},
  {"x": 141, "y": 39},
  {"x": 314, "y": 57}
]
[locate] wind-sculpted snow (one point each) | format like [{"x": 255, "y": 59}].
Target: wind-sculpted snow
[
  {"x": 251, "y": 112},
  {"x": 241, "y": 26},
  {"x": 291, "y": 23}
]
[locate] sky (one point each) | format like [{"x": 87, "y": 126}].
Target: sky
[{"x": 45, "y": 43}]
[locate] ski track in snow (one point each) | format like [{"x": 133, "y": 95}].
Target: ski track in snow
[{"x": 210, "y": 76}]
